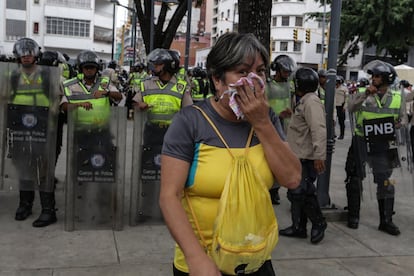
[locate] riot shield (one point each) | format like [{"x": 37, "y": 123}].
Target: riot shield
[
  {"x": 30, "y": 108},
  {"x": 279, "y": 97},
  {"x": 383, "y": 153},
  {"x": 95, "y": 176},
  {"x": 145, "y": 187}
]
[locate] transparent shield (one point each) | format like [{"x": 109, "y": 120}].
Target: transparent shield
[
  {"x": 145, "y": 187},
  {"x": 30, "y": 108},
  {"x": 384, "y": 154},
  {"x": 280, "y": 100},
  {"x": 95, "y": 177}
]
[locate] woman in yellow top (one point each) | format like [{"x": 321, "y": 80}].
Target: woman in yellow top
[{"x": 195, "y": 160}]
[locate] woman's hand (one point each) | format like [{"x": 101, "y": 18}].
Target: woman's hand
[
  {"x": 202, "y": 266},
  {"x": 253, "y": 102}
]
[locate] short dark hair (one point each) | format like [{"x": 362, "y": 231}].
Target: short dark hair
[{"x": 231, "y": 50}]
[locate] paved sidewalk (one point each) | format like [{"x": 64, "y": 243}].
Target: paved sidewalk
[{"x": 148, "y": 249}]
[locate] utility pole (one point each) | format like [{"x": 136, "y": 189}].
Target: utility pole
[{"x": 323, "y": 183}]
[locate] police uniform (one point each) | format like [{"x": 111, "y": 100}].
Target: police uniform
[
  {"x": 366, "y": 107},
  {"x": 165, "y": 99}
]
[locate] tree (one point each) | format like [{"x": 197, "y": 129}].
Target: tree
[
  {"x": 163, "y": 36},
  {"x": 386, "y": 24},
  {"x": 254, "y": 17}
]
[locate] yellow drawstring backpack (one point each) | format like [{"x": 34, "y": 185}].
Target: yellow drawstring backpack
[{"x": 245, "y": 230}]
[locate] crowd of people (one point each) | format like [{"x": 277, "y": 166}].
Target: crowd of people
[{"x": 200, "y": 116}]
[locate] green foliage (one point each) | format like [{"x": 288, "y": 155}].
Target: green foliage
[{"x": 386, "y": 24}]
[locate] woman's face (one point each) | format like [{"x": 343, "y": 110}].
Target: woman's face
[{"x": 231, "y": 76}]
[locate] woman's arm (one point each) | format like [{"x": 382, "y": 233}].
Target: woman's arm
[{"x": 173, "y": 176}]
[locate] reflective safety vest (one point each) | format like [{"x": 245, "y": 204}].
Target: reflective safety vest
[
  {"x": 361, "y": 89},
  {"x": 165, "y": 100},
  {"x": 321, "y": 94},
  {"x": 76, "y": 92},
  {"x": 181, "y": 74},
  {"x": 196, "y": 92},
  {"x": 279, "y": 95},
  {"x": 137, "y": 78},
  {"x": 29, "y": 90},
  {"x": 391, "y": 108}
]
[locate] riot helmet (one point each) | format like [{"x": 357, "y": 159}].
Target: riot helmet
[
  {"x": 405, "y": 83},
  {"x": 322, "y": 73},
  {"x": 112, "y": 64},
  {"x": 283, "y": 62},
  {"x": 306, "y": 80},
  {"x": 383, "y": 69},
  {"x": 176, "y": 57},
  {"x": 26, "y": 47},
  {"x": 197, "y": 72},
  {"x": 363, "y": 82},
  {"x": 162, "y": 56},
  {"x": 86, "y": 58},
  {"x": 51, "y": 58}
]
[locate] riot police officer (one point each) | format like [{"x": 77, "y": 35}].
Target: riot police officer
[
  {"x": 199, "y": 85},
  {"x": 279, "y": 91},
  {"x": 162, "y": 95},
  {"x": 307, "y": 138},
  {"x": 379, "y": 102},
  {"x": 88, "y": 90},
  {"x": 31, "y": 89}
]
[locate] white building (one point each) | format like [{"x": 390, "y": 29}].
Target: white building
[
  {"x": 287, "y": 16},
  {"x": 69, "y": 26}
]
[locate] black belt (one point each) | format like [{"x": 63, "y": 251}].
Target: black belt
[{"x": 158, "y": 125}]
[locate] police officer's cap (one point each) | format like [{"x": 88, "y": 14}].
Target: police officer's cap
[
  {"x": 283, "y": 62},
  {"x": 86, "y": 58},
  {"x": 26, "y": 47},
  {"x": 306, "y": 80}
]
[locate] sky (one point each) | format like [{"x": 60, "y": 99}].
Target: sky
[{"x": 121, "y": 13}]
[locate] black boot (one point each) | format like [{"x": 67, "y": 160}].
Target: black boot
[
  {"x": 274, "y": 195},
  {"x": 48, "y": 215},
  {"x": 314, "y": 213},
  {"x": 386, "y": 209},
  {"x": 353, "y": 193},
  {"x": 25, "y": 205},
  {"x": 298, "y": 227}
]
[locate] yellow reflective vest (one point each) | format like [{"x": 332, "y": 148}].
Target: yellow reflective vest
[
  {"x": 165, "y": 99},
  {"x": 29, "y": 89},
  {"x": 391, "y": 108},
  {"x": 76, "y": 92}
]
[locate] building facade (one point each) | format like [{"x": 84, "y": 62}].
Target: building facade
[{"x": 69, "y": 26}]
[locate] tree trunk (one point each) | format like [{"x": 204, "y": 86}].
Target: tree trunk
[{"x": 254, "y": 17}]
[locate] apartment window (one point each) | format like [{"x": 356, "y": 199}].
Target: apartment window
[
  {"x": 318, "y": 48},
  {"x": 283, "y": 46},
  {"x": 16, "y": 4},
  {"x": 297, "y": 46},
  {"x": 67, "y": 27},
  {"x": 15, "y": 29},
  {"x": 285, "y": 20},
  {"x": 274, "y": 21},
  {"x": 71, "y": 3},
  {"x": 298, "y": 21},
  {"x": 273, "y": 46},
  {"x": 36, "y": 27},
  {"x": 36, "y": 1}
]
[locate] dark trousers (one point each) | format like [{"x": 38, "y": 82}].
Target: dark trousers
[{"x": 341, "y": 119}]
